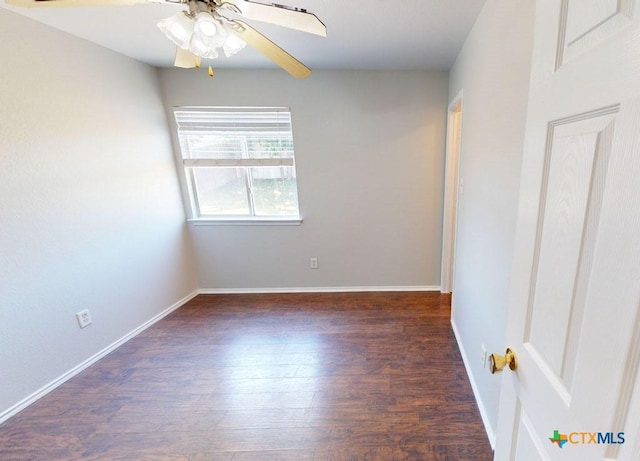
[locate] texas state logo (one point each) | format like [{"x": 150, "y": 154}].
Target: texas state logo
[
  {"x": 559, "y": 438},
  {"x": 585, "y": 438}
]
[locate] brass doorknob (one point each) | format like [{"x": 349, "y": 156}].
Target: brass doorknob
[{"x": 498, "y": 362}]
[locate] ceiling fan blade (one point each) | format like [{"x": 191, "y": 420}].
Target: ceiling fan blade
[
  {"x": 270, "y": 49},
  {"x": 185, "y": 59},
  {"x": 281, "y": 15},
  {"x": 73, "y": 3}
]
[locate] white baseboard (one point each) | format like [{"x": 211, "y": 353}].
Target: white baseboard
[
  {"x": 483, "y": 413},
  {"x": 90, "y": 361},
  {"x": 211, "y": 291}
]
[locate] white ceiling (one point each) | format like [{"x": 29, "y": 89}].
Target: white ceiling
[{"x": 362, "y": 34}]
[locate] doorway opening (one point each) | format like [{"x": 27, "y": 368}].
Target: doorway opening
[{"x": 451, "y": 188}]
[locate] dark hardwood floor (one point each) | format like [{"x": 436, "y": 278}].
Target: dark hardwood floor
[{"x": 351, "y": 376}]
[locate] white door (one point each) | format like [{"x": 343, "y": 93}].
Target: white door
[{"x": 574, "y": 318}]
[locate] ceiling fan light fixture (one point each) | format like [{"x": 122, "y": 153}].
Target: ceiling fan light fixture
[
  {"x": 232, "y": 45},
  {"x": 210, "y": 34},
  {"x": 209, "y": 31},
  {"x": 178, "y": 28},
  {"x": 202, "y": 49},
  {"x": 205, "y": 24}
]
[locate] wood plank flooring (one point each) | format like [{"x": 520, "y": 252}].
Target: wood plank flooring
[{"x": 347, "y": 376}]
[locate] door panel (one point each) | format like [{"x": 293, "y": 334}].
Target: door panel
[
  {"x": 585, "y": 24},
  {"x": 576, "y": 159},
  {"x": 527, "y": 443}
]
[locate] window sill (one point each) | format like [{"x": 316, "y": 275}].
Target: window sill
[{"x": 245, "y": 221}]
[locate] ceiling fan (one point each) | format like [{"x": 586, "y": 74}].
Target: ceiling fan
[{"x": 209, "y": 27}]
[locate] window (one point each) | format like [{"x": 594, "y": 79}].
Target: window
[{"x": 238, "y": 162}]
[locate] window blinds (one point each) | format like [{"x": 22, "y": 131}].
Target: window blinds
[{"x": 235, "y": 137}]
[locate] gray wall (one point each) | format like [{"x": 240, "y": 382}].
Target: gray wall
[
  {"x": 90, "y": 212},
  {"x": 493, "y": 71},
  {"x": 370, "y": 157}
]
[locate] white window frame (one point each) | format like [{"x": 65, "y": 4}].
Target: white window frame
[{"x": 188, "y": 180}]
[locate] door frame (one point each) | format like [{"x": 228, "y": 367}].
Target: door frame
[{"x": 451, "y": 187}]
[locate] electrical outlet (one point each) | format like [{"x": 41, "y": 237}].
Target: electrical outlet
[
  {"x": 314, "y": 263},
  {"x": 84, "y": 318},
  {"x": 483, "y": 356}
]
